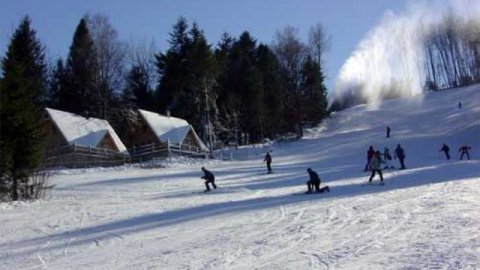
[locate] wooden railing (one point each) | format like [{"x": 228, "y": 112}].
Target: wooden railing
[
  {"x": 83, "y": 156},
  {"x": 168, "y": 149}
]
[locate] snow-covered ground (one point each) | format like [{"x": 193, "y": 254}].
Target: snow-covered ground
[{"x": 425, "y": 217}]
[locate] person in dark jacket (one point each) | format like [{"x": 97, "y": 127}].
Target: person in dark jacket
[
  {"x": 209, "y": 178},
  {"x": 370, "y": 154},
  {"x": 314, "y": 182},
  {"x": 388, "y": 132},
  {"x": 268, "y": 159},
  {"x": 445, "y": 149},
  {"x": 464, "y": 150},
  {"x": 400, "y": 154},
  {"x": 375, "y": 166}
]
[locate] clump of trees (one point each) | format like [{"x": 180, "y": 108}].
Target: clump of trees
[{"x": 452, "y": 53}]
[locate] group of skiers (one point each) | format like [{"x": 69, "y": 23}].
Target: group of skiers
[
  {"x": 312, "y": 184},
  {"x": 374, "y": 164},
  {"x": 375, "y": 160},
  {"x": 463, "y": 150}
]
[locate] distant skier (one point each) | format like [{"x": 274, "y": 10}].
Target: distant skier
[
  {"x": 314, "y": 182},
  {"x": 459, "y": 105},
  {"x": 400, "y": 154},
  {"x": 370, "y": 154},
  {"x": 387, "y": 157},
  {"x": 209, "y": 178},
  {"x": 464, "y": 150},
  {"x": 268, "y": 159},
  {"x": 375, "y": 166},
  {"x": 388, "y": 132},
  {"x": 445, "y": 149}
]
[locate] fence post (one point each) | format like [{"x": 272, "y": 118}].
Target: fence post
[{"x": 168, "y": 150}]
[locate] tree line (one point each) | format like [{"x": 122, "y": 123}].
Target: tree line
[{"x": 239, "y": 90}]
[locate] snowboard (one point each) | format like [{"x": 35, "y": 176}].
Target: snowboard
[{"x": 309, "y": 193}]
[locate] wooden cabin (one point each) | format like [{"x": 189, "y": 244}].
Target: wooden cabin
[
  {"x": 73, "y": 139},
  {"x": 156, "y": 129}
]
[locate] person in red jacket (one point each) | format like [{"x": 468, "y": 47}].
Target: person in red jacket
[{"x": 370, "y": 154}]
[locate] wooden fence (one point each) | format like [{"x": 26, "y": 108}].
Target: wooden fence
[
  {"x": 167, "y": 150},
  {"x": 76, "y": 156}
]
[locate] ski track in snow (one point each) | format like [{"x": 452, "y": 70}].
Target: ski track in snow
[{"x": 425, "y": 217}]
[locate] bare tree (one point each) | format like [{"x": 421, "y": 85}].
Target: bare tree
[
  {"x": 318, "y": 42},
  {"x": 111, "y": 60},
  {"x": 291, "y": 53},
  {"x": 142, "y": 55}
]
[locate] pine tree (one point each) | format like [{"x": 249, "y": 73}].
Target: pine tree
[
  {"x": 245, "y": 89},
  {"x": 272, "y": 90},
  {"x": 137, "y": 92},
  {"x": 22, "y": 93},
  {"x": 172, "y": 69},
  {"x": 54, "y": 89},
  {"x": 314, "y": 97},
  {"x": 78, "y": 91}
]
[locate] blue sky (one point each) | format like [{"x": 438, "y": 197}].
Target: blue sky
[{"x": 348, "y": 21}]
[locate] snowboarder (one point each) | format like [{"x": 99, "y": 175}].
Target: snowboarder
[
  {"x": 445, "y": 149},
  {"x": 400, "y": 154},
  {"x": 314, "y": 182},
  {"x": 268, "y": 159},
  {"x": 388, "y": 132},
  {"x": 209, "y": 178},
  {"x": 375, "y": 166},
  {"x": 459, "y": 105},
  {"x": 464, "y": 150},
  {"x": 386, "y": 158},
  {"x": 370, "y": 154}
]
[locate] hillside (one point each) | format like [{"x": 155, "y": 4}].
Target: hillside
[{"x": 424, "y": 217}]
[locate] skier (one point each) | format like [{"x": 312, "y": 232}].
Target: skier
[
  {"x": 315, "y": 182},
  {"x": 388, "y": 132},
  {"x": 375, "y": 166},
  {"x": 387, "y": 157},
  {"x": 400, "y": 154},
  {"x": 445, "y": 149},
  {"x": 209, "y": 178},
  {"x": 459, "y": 105},
  {"x": 268, "y": 159},
  {"x": 370, "y": 154},
  {"x": 464, "y": 150}
]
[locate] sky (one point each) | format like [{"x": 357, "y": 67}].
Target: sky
[{"x": 347, "y": 21}]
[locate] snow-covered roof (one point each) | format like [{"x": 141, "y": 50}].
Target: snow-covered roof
[
  {"x": 82, "y": 131},
  {"x": 170, "y": 128}
]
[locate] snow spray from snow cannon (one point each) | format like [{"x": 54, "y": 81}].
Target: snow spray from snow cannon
[{"x": 390, "y": 60}]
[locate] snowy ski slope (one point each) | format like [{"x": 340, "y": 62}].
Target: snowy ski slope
[{"x": 425, "y": 217}]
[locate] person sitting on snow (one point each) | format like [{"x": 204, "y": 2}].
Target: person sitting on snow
[{"x": 315, "y": 182}]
